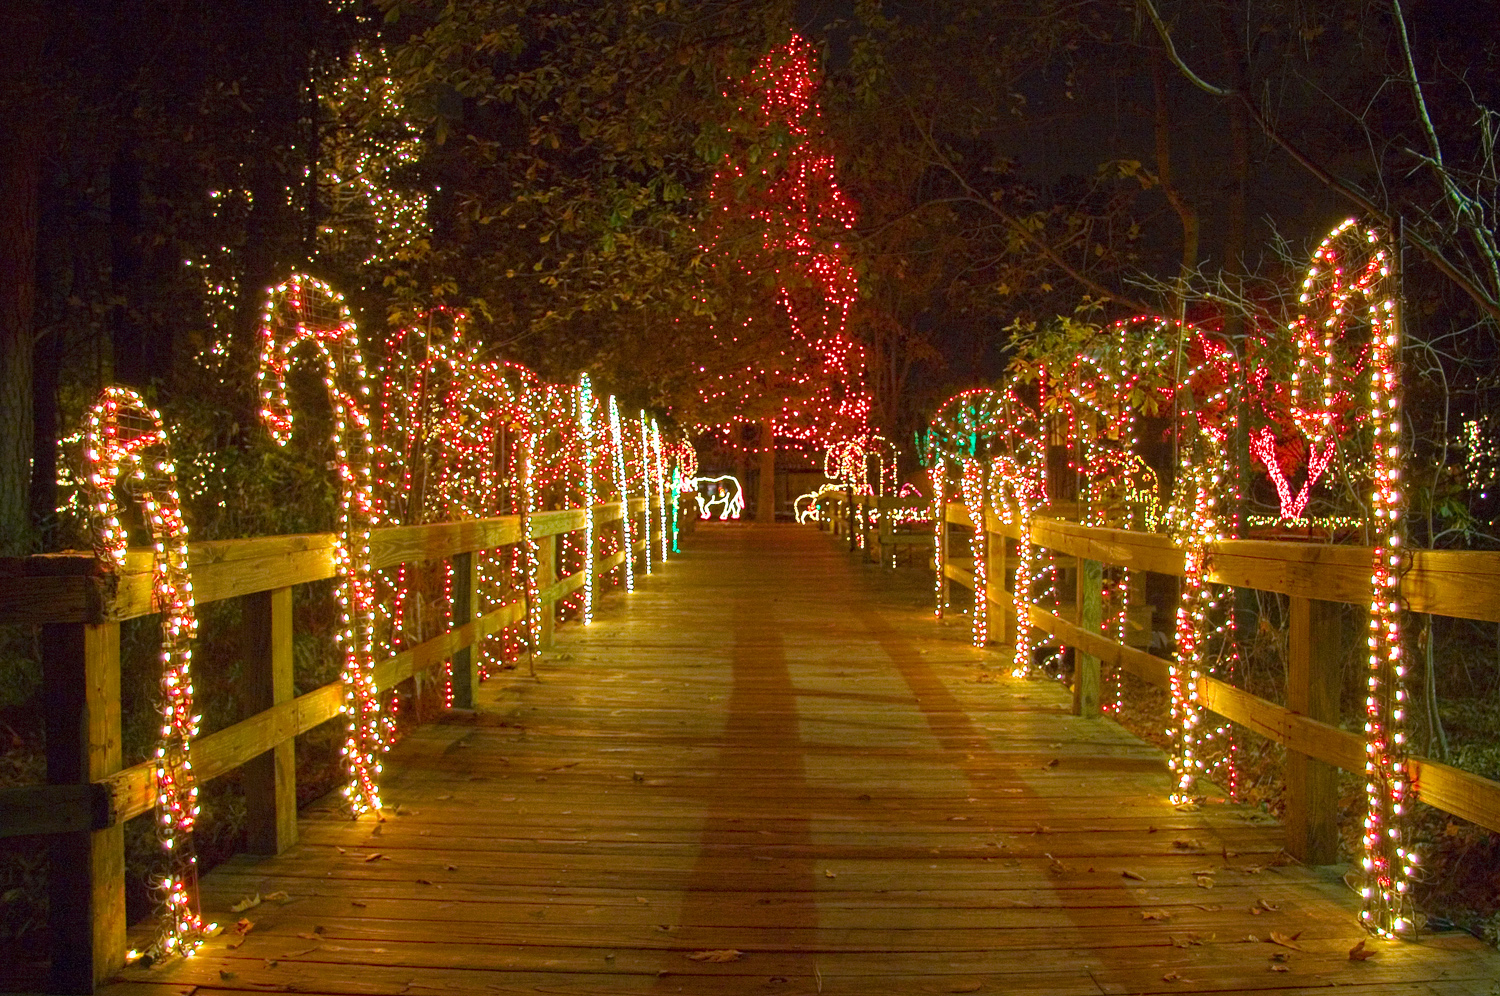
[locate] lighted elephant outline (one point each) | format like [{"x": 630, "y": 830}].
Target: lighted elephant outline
[{"x": 729, "y": 502}]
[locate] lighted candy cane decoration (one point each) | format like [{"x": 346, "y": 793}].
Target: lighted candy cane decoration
[
  {"x": 590, "y": 498},
  {"x": 124, "y": 440},
  {"x": 622, "y": 484},
  {"x": 306, "y": 312},
  {"x": 661, "y": 489},
  {"x": 1352, "y": 278},
  {"x": 646, "y": 485},
  {"x": 1196, "y": 516}
]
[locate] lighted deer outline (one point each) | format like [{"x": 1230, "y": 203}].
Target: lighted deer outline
[{"x": 306, "y": 316}]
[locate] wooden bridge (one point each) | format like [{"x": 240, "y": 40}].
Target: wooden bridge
[{"x": 768, "y": 770}]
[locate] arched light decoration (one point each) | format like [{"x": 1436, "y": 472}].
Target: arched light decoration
[
  {"x": 126, "y": 449},
  {"x": 622, "y": 488},
  {"x": 1352, "y": 282},
  {"x": 646, "y": 486},
  {"x": 305, "y": 312},
  {"x": 590, "y": 493},
  {"x": 997, "y": 441},
  {"x": 661, "y": 488}
]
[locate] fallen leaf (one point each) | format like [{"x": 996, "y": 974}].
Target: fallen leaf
[
  {"x": 1277, "y": 966},
  {"x": 1127, "y": 873},
  {"x": 356, "y": 902},
  {"x": 423, "y": 881},
  {"x": 452, "y": 868},
  {"x": 372, "y": 857},
  {"x": 1191, "y": 940},
  {"x": 1269, "y": 907},
  {"x": 1052, "y": 763},
  {"x": 717, "y": 956},
  {"x": 1252, "y": 938},
  {"x": 1156, "y": 915},
  {"x": 1208, "y": 909},
  {"x": 643, "y": 900},
  {"x": 1185, "y": 844},
  {"x": 277, "y": 897},
  {"x": 828, "y": 873},
  {"x": 1361, "y": 953},
  {"x": 1171, "y": 977},
  {"x": 241, "y": 928},
  {"x": 226, "y": 976},
  {"x": 1281, "y": 956},
  {"x": 248, "y": 903},
  {"x": 1056, "y": 867},
  {"x": 1285, "y": 941}
]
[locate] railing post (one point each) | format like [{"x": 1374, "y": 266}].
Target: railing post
[
  {"x": 1313, "y": 681},
  {"x": 997, "y": 600},
  {"x": 942, "y": 540},
  {"x": 546, "y": 577},
  {"x": 270, "y": 780},
  {"x": 849, "y": 495},
  {"x": 885, "y": 546},
  {"x": 86, "y": 879},
  {"x": 465, "y": 660},
  {"x": 1090, "y": 602}
]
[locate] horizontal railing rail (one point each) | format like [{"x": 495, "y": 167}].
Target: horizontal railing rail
[
  {"x": 90, "y": 793},
  {"x": 1456, "y": 584}
]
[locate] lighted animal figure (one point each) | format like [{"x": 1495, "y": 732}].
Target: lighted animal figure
[
  {"x": 727, "y": 497},
  {"x": 126, "y": 444},
  {"x": 302, "y": 316}
]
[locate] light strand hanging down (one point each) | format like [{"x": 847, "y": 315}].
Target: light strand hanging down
[{"x": 126, "y": 448}]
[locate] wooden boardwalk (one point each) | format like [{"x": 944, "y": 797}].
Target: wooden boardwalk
[{"x": 772, "y": 755}]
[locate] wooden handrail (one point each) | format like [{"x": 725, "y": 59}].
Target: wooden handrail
[
  {"x": 1458, "y": 584},
  {"x": 80, "y": 608}
]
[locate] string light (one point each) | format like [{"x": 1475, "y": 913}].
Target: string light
[
  {"x": 126, "y": 448},
  {"x": 586, "y": 434}
]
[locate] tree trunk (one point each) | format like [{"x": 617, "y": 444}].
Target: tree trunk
[
  {"x": 765, "y": 497},
  {"x": 22, "y": 33}
]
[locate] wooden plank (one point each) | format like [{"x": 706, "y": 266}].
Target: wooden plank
[
  {"x": 1313, "y": 683},
  {"x": 27, "y": 810},
  {"x": 270, "y": 779},
  {"x": 132, "y": 790},
  {"x": 552, "y": 523},
  {"x": 86, "y": 881},
  {"x": 441, "y": 540}
]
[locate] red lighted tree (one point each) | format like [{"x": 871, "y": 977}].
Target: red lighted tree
[{"x": 778, "y": 217}]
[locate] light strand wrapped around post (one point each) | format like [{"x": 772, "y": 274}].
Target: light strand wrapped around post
[
  {"x": 305, "y": 312},
  {"x": 622, "y": 485},
  {"x": 124, "y": 441},
  {"x": 590, "y": 496},
  {"x": 1352, "y": 279}
]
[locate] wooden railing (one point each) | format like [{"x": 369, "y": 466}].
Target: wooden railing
[
  {"x": 90, "y": 794},
  {"x": 1315, "y": 577}
]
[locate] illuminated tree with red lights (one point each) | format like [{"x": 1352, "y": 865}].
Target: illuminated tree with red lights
[{"x": 777, "y": 221}]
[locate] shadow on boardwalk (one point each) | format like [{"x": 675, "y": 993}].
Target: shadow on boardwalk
[{"x": 769, "y": 771}]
